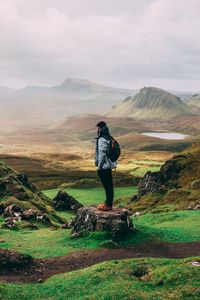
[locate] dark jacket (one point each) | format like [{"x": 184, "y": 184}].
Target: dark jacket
[{"x": 102, "y": 161}]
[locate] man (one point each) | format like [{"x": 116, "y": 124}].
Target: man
[{"x": 104, "y": 164}]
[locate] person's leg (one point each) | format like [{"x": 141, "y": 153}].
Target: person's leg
[
  {"x": 109, "y": 187},
  {"x": 105, "y": 176}
]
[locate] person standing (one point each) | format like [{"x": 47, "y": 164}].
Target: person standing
[{"x": 104, "y": 164}]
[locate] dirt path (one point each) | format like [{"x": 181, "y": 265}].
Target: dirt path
[{"x": 41, "y": 269}]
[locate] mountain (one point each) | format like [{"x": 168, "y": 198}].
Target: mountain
[
  {"x": 194, "y": 103},
  {"x": 151, "y": 103},
  {"x": 42, "y": 105},
  {"x": 185, "y": 96}
]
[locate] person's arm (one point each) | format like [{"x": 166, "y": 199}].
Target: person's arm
[
  {"x": 102, "y": 149},
  {"x": 96, "y": 154}
]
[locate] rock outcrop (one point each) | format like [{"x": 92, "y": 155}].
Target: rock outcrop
[
  {"x": 117, "y": 222},
  {"x": 63, "y": 201},
  {"x": 163, "y": 180},
  {"x": 21, "y": 200},
  {"x": 14, "y": 213},
  {"x": 17, "y": 185},
  {"x": 175, "y": 187},
  {"x": 150, "y": 183}
]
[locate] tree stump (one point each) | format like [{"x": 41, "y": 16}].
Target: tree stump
[{"x": 116, "y": 221}]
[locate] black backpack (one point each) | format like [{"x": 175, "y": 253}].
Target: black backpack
[{"x": 114, "y": 149}]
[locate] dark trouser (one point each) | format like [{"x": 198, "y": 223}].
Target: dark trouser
[{"x": 105, "y": 176}]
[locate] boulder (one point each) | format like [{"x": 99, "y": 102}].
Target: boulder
[
  {"x": 150, "y": 183},
  {"x": 43, "y": 218},
  {"x": 194, "y": 207},
  {"x": 65, "y": 226},
  {"x": 29, "y": 214},
  {"x": 163, "y": 180},
  {"x": 197, "y": 207},
  {"x": 12, "y": 211},
  {"x": 117, "y": 221},
  {"x": 63, "y": 201},
  {"x": 10, "y": 222},
  {"x": 195, "y": 184},
  {"x": 10, "y": 259}
]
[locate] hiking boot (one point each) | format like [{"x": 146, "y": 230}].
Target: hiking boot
[{"x": 104, "y": 207}]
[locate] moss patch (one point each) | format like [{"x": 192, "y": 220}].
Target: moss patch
[{"x": 126, "y": 279}]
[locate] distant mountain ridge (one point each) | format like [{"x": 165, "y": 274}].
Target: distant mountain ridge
[
  {"x": 45, "y": 105},
  {"x": 151, "y": 103},
  {"x": 74, "y": 85}
]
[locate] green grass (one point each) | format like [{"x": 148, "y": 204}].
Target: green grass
[
  {"x": 92, "y": 196},
  {"x": 163, "y": 279},
  {"x": 140, "y": 167},
  {"x": 181, "y": 226},
  {"x": 48, "y": 243}
]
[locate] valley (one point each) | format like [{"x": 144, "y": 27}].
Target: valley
[{"x": 157, "y": 180}]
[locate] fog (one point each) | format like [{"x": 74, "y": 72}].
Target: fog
[{"x": 119, "y": 43}]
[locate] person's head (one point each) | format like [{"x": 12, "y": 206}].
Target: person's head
[{"x": 101, "y": 125}]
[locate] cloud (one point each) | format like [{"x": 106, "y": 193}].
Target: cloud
[{"x": 126, "y": 43}]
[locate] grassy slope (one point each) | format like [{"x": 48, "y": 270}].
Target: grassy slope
[
  {"x": 175, "y": 198},
  {"x": 164, "y": 279},
  {"x": 167, "y": 279},
  {"x": 17, "y": 191},
  {"x": 46, "y": 242},
  {"x": 151, "y": 103},
  {"x": 182, "y": 226},
  {"x": 139, "y": 168}
]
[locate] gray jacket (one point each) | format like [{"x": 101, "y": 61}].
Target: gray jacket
[{"x": 102, "y": 161}]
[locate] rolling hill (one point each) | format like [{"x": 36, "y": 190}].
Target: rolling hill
[
  {"x": 194, "y": 103},
  {"x": 151, "y": 104}
]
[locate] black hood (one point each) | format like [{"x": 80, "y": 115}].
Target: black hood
[{"x": 104, "y": 131}]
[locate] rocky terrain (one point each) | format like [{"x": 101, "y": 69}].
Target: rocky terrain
[
  {"x": 176, "y": 186},
  {"x": 21, "y": 203}
]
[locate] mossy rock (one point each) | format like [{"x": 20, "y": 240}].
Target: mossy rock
[
  {"x": 16, "y": 189},
  {"x": 196, "y": 184}
]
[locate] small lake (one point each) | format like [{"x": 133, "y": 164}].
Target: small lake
[{"x": 167, "y": 135}]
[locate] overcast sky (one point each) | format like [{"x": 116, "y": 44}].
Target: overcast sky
[{"x": 125, "y": 43}]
